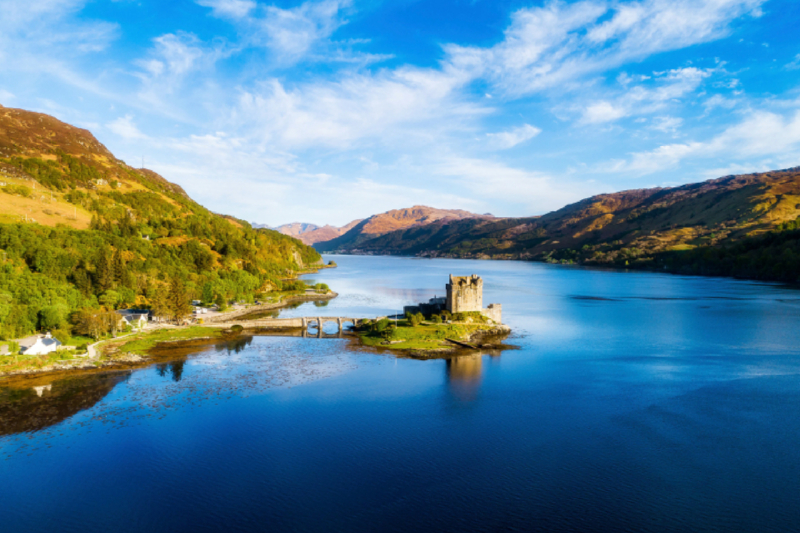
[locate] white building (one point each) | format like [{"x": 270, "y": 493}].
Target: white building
[
  {"x": 39, "y": 344},
  {"x": 136, "y": 320}
]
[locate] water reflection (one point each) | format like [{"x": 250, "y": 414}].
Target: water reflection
[
  {"x": 235, "y": 345},
  {"x": 31, "y": 405},
  {"x": 174, "y": 369},
  {"x": 464, "y": 376}
]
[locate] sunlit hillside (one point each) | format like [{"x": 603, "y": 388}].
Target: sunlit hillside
[{"x": 80, "y": 228}]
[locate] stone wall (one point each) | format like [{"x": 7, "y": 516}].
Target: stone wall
[{"x": 495, "y": 312}]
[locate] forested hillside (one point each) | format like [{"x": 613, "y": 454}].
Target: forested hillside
[
  {"x": 81, "y": 230},
  {"x": 733, "y": 219}
]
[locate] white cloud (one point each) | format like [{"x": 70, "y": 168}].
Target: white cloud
[
  {"x": 26, "y": 27},
  {"x": 235, "y": 9},
  {"x": 536, "y": 191},
  {"x": 794, "y": 64},
  {"x": 600, "y": 112},
  {"x": 662, "y": 89},
  {"x": 667, "y": 124},
  {"x": 407, "y": 103},
  {"x": 552, "y": 46},
  {"x": 125, "y": 128},
  {"x": 291, "y": 34},
  {"x": 760, "y": 134},
  {"x": 5, "y": 96},
  {"x": 511, "y": 138}
]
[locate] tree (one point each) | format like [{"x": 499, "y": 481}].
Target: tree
[
  {"x": 207, "y": 293},
  {"x": 109, "y": 299},
  {"x": 104, "y": 271},
  {"x": 178, "y": 301},
  {"x": 159, "y": 304},
  {"x": 322, "y": 287},
  {"x": 95, "y": 322},
  {"x": 52, "y": 317},
  {"x": 222, "y": 305}
]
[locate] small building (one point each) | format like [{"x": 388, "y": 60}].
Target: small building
[
  {"x": 39, "y": 344},
  {"x": 136, "y": 318},
  {"x": 433, "y": 306}
]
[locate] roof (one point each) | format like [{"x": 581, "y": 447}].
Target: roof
[{"x": 28, "y": 342}]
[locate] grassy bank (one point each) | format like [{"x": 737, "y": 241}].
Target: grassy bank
[
  {"x": 19, "y": 363},
  {"x": 425, "y": 336},
  {"x": 139, "y": 344}
]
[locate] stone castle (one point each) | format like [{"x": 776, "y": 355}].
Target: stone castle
[{"x": 464, "y": 295}]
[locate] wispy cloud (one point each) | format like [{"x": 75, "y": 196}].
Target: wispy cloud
[
  {"x": 292, "y": 34},
  {"x": 556, "y": 44},
  {"x": 508, "y": 139},
  {"x": 760, "y": 134},
  {"x": 647, "y": 97}
]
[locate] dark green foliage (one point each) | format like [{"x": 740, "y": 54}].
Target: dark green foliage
[
  {"x": 415, "y": 319},
  {"x": 380, "y": 326},
  {"x": 770, "y": 257}
]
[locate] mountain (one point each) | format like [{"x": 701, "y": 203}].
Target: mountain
[
  {"x": 80, "y": 228},
  {"x": 398, "y": 219},
  {"x": 639, "y": 228},
  {"x": 311, "y": 234},
  {"x": 296, "y": 229}
]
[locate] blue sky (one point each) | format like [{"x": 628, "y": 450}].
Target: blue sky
[{"x": 330, "y": 110}]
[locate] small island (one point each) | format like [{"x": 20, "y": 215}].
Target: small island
[{"x": 441, "y": 326}]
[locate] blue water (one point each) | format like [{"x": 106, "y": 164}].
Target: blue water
[{"x": 635, "y": 402}]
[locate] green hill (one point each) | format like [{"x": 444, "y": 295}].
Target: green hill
[
  {"x": 647, "y": 228},
  {"x": 80, "y": 229}
]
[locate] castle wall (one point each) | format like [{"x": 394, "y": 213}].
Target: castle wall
[{"x": 495, "y": 312}]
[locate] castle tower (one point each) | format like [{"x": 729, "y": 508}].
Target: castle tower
[{"x": 464, "y": 294}]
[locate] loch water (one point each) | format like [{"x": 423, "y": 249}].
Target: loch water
[{"x": 634, "y": 402}]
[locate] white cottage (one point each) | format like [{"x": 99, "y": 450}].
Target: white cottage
[
  {"x": 40, "y": 344},
  {"x": 136, "y": 320}
]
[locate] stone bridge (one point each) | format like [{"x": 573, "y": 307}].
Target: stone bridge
[{"x": 292, "y": 323}]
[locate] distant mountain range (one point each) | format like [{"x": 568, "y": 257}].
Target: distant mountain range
[
  {"x": 644, "y": 227},
  {"x": 311, "y": 233},
  {"x": 360, "y": 230}
]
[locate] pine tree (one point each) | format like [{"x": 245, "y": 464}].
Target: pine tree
[
  {"x": 159, "y": 303},
  {"x": 118, "y": 267},
  {"x": 178, "y": 301},
  {"x": 104, "y": 271}
]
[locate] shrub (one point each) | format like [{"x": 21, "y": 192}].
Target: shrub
[
  {"x": 321, "y": 287},
  {"x": 437, "y": 319},
  {"x": 380, "y": 325}
]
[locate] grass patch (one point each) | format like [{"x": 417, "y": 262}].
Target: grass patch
[
  {"x": 423, "y": 337},
  {"x": 140, "y": 344},
  {"x": 14, "y": 363}
]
